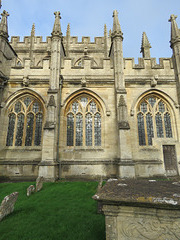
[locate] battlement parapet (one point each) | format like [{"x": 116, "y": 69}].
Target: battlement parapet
[
  {"x": 86, "y": 40},
  {"x": 27, "y": 39},
  {"x": 143, "y": 63}
]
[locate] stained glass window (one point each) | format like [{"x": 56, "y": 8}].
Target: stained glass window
[
  {"x": 88, "y": 129},
  {"x": 152, "y": 101},
  {"x": 29, "y": 129},
  {"x": 97, "y": 129},
  {"x": 144, "y": 107},
  {"x": 17, "y": 107},
  {"x": 141, "y": 129},
  {"x": 150, "y": 132},
  {"x": 36, "y": 107},
  {"x": 159, "y": 126},
  {"x": 168, "y": 129},
  {"x": 161, "y": 107},
  {"x": 19, "y": 131},
  {"x": 38, "y": 129},
  {"x": 79, "y": 129},
  {"x": 84, "y": 122},
  {"x": 70, "y": 129},
  {"x": 26, "y": 110},
  {"x": 12, "y": 119},
  {"x": 92, "y": 107},
  {"x": 27, "y": 101},
  {"x": 75, "y": 107},
  {"x": 154, "y": 120}
]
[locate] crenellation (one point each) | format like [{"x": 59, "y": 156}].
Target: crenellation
[{"x": 164, "y": 63}]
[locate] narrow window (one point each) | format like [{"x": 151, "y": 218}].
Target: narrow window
[
  {"x": 167, "y": 122},
  {"x": 38, "y": 129},
  {"x": 70, "y": 129},
  {"x": 10, "y": 135},
  {"x": 149, "y": 124},
  {"x": 159, "y": 126},
  {"x": 19, "y": 131},
  {"x": 79, "y": 130},
  {"x": 141, "y": 130},
  {"x": 29, "y": 129},
  {"x": 88, "y": 129},
  {"x": 97, "y": 129}
]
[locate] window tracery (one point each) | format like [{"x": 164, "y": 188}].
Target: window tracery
[
  {"x": 25, "y": 122},
  {"x": 84, "y": 122},
  {"x": 154, "y": 120}
]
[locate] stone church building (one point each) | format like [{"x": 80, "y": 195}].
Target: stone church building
[{"x": 71, "y": 109}]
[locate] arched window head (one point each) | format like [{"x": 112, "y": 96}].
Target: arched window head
[
  {"x": 154, "y": 119},
  {"x": 84, "y": 122},
  {"x": 25, "y": 122}
]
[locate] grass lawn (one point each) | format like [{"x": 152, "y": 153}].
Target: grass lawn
[{"x": 62, "y": 210}]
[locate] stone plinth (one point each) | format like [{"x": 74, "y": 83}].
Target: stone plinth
[{"x": 141, "y": 209}]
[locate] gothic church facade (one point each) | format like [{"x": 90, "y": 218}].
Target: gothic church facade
[{"x": 72, "y": 109}]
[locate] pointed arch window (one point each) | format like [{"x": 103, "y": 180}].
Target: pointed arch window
[
  {"x": 25, "y": 122},
  {"x": 84, "y": 120},
  {"x": 154, "y": 119}
]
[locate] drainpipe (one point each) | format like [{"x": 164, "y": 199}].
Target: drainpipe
[{"x": 59, "y": 117}]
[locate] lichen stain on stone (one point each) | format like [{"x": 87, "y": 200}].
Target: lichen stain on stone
[{"x": 165, "y": 200}]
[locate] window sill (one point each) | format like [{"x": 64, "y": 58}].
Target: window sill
[
  {"x": 24, "y": 148},
  {"x": 83, "y": 149}
]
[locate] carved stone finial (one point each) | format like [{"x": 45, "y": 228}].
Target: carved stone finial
[
  {"x": 175, "y": 32},
  {"x": 145, "y": 46},
  {"x": 33, "y": 30},
  {"x": 68, "y": 30},
  {"x": 110, "y": 33},
  {"x": 57, "y": 26},
  {"x": 105, "y": 30},
  {"x": 3, "y": 25},
  {"x": 116, "y": 26},
  {"x": 172, "y": 18}
]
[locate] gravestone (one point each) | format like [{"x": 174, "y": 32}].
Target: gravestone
[
  {"x": 7, "y": 205},
  {"x": 99, "y": 203},
  {"x": 39, "y": 183},
  {"x": 30, "y": 190},
  {"x": 141, "y": 209}
]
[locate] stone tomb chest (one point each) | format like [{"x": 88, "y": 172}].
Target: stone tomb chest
[{"x": 141, "y": 209}]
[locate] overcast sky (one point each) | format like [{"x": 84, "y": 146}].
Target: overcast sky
[{"x": 87, "y": 18}]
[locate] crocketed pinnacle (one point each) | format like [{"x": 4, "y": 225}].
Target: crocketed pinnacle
[
  {"x": 105, "y": 30},
  {"x": 116, "y": 32},
  {"x": 3, "y": 25},
  {"x": 145, "y": 46},
  {"x": 175, "y": 32},
  {"x": 33, "y": 30},
  {"x": 68, "y": 30},
  {"x": 57, "y": 26}
]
